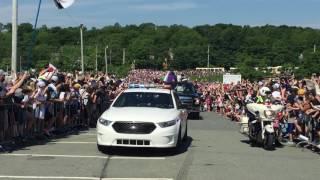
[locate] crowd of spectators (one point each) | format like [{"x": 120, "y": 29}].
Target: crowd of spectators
[
  {"x": 51, "y": 102},
  {"x": 300, "y": 98}
]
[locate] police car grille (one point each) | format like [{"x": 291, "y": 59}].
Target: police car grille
[
  {"x": 133, "y": 128},
  {"x": 186, "y": 100}
]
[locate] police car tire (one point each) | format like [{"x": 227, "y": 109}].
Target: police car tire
[
  {"x": 196, "y": 115},
  {"x": 185, "y": 136},
  {"x": 179, "y": 141},
  {"x": 101, "y": 148}
]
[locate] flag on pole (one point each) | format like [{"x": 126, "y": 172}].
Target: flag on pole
[
  {"x": 51, "y": 68},
  {"x": 63, "y": 4}
]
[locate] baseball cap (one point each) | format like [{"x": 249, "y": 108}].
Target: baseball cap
[
  {"x": 301, "y": 92},
  {"x": 2, "y": 73},
  {"x": 55, "y": 78},
  {"x": 41, "y": 84},
  {"x": 77, "y": 86},
  {"x": 18, "y": 92},
  {"x": 276, "y": 86}
]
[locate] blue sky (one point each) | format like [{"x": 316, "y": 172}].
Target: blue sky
[{"x": 99, "y": 13}]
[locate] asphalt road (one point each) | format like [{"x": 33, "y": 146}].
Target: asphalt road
[{"x": 215, "y": 150}]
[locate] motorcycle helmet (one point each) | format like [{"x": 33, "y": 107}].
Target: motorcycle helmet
[
  {"x": 276, "y": 86},
  {"x": 263, "y": 91},
  {"x": 276, "y": 95}
]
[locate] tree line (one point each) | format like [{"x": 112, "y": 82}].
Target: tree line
[{"x": 182, "y": 47}]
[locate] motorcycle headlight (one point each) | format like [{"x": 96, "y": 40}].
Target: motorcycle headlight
[
  {"x": 269, "y": 114},
  {"x": 167, "y": 123},
  {"x": 104, "y": 121}
]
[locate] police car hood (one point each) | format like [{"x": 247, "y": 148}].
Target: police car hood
[{"x": 139, "y": 114}]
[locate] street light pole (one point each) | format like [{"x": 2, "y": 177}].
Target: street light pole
[
  {"x": 208, "y": 56},
  {"x": 81, "y": 37},
  {"x": 14, "y": 36},
  {"x": 96, "y": 58},
  {"x": 106, "y": 59},
  {"x": 124, "y": 56}
]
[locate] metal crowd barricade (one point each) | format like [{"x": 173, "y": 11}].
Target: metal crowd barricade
[
  {"x": 13, "y": 122},
  {"x": 312, "y": 135},
  {"x": 4, "y": 122},
  {"x": 20, "y": 123}
]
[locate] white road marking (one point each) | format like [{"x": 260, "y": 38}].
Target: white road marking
[
  {"x": 138, "y": 158},
  {"x": 136, "y": 179},
  {"x": 72, "y": 142},
  {"x": 79, "y": 156},
  {"x": 48, "y": 177},
  {"x": 89, "y": 134},
  {"x": 80, "y": 178},
  {"x": 55, "y": 155}
]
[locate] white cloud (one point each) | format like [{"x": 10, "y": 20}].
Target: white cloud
[{"x": 173, "y": 6}]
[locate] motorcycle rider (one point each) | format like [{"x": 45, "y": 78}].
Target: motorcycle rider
[
  {"x": 261, "y": 98},
  {"x": 263, "y": 95}
]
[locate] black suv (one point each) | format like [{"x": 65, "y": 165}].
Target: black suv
[{"x": 189, "y": 97}]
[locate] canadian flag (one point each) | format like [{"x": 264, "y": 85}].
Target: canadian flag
[
  {"x": 47, "y": 72},
  {"x": 51, "y": 68},
  {"x": 63, "y": 4}
]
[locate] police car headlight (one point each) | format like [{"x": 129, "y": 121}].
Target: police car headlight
[
  {"x": 104, "y": 121},
  {"x": 167, "y": 123},
  {"x": 196, "y": 101}
]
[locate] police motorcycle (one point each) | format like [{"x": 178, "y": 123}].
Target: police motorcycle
[{"x": 262, "y": 116}]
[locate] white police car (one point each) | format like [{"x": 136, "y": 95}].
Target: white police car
[{"x": 143, "y": 117}]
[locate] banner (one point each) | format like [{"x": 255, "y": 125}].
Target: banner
[{"x": 231, "y": 78}]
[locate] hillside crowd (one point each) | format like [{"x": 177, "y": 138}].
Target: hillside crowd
[{"x": 52, "y": 102}]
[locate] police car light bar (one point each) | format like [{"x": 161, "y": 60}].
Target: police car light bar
[
  {"x": 136, "y": 86},
  {"x": 131, "y": 86}
]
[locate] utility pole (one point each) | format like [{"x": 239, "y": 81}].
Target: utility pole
[
  {"x": 208, "y": 56},
  {"x": 20, "y": 64},
  {"x": 171, "y": 55},
  {"x": 106, "y": 59},
  {"x": 96, "y": 58},
  {"x": 124, "y": 56},
  {"x": 314, "y": 48},
  {"x": 14, "y": 36},
  {"x": 81, "y": 37}
]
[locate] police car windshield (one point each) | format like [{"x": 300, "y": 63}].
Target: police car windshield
[{"x": 143, "y": 99}]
